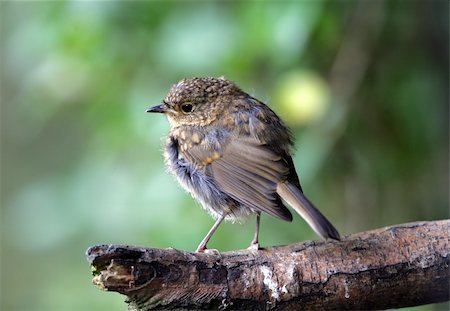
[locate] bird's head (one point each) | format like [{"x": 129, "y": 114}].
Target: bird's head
[{"x": 198, "y": 101}]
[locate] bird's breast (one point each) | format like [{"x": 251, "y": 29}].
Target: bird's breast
[
  {"x": 188, "y": 137},
  {"x": 200, "y": 145}
]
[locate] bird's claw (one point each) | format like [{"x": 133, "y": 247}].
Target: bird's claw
[
  {"x": 254, "y": 246},
  {"x": 210, "y": 251}
]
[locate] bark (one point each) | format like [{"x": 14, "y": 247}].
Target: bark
[{"x": 392, "y": 267}]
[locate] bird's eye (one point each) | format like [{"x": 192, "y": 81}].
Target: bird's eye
[{"x": 187, "y": 108}]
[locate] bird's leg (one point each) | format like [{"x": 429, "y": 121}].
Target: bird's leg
[
  {"x": 255, "y": 242},
  {"x": 202, "y": 246}
]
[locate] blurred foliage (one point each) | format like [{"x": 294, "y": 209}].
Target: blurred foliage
[{"x": 363, "y": 85}]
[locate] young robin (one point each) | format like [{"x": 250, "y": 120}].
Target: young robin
[{"x": 233, "y": 154}]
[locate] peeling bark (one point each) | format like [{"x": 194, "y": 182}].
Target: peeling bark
[{"x": 398, "y": 266}]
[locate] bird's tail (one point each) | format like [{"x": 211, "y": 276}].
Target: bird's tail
[{"x": 297, "y": 200}]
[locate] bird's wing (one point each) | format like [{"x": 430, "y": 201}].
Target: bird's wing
[{"x": 247, "y": 171}]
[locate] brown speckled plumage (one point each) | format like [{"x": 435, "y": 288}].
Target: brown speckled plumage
[{"x": 233, "y": 154}]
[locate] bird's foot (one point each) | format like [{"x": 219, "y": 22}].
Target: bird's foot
[
  {"x": 210, "y": 251},
  {"x": 254, "y": 246}
]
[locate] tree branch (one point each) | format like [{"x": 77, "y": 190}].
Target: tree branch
[{"x": 398, "y": 266}]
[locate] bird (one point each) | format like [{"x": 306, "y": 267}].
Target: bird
[{"x": 232, "y": 153}]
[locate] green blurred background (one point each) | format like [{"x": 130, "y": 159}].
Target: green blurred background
[{"x": 363, "y": 85}]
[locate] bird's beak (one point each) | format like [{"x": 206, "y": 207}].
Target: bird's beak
[{"x": 160, "y": 108}]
